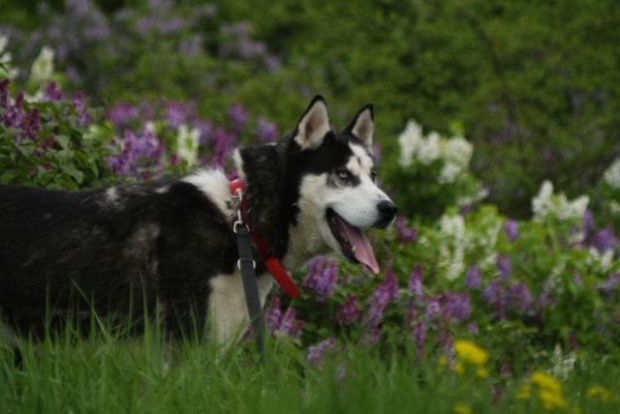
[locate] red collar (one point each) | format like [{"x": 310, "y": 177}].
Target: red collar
[{"x": 272, "y": 264}]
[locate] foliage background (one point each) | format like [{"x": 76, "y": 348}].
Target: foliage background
[{"x": 148, "y": 89}]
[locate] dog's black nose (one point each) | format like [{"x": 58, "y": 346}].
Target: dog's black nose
[{"x": 387, "y": 212}]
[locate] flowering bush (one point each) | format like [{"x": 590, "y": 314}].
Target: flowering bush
[
  {"x": 609, "y": 190},
  {"x": 51, "y": 142},
  {"x": 514, "y": 285},
  {"x": 436, "y": 169}
]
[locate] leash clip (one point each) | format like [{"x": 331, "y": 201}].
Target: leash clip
[
  {"x": 238, "y": 196},
  {"x": 240, "y": 262}
]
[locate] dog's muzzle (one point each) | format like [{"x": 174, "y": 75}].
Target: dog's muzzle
[{"x": 387, "y": 212}]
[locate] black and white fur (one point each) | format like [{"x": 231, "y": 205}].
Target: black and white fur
[{"x": 169, "y": 245}]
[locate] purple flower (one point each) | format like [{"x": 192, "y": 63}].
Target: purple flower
[
  {"x": 290, "y": 326},
  {"x": 432, "y": 310},
  {"x": 326, "y": 284},
  {"x": 321, "y": 278},
  {"x": 372, "y": 337},
  {"x": 318, "y": 351},
  {"x": 511, "y": 228},
  {"x": 472, "y": 329},
  {"x": 122, "y": 113},
  {"x": 30, "y": 125},
  {"x": 472, "y": 277},
  {"x": 4, "y": 93},
  {"x": 80, "y": 109},
  {"x": 519, "y": 296},
  {"x": 491, "y": 292},
  {"x": 273, "y": 316},
  {"x": 605, "y": 240},
  {"x": 222, "y": 144},
  {"x": 456, "y": 306},
  {"x": 282, "y": 324},
  {"x": 418, "y": 336},
  {"x": 610, "y": 284},
  {"x": 14, "y": 113},
  {"x": 349, "y": 312},
  {"x": 544, "y": 301},
  {"x": 205, "y": 131},
  {"x": 381, "y": 297},
  {"x": 52, "y": 92},
  {"x": 391, "y": 285},
  {"x": 266, "y": 131},
  {"x": 494, "y": 295},
  {"x": 238, "y": 117},
  {"x": 503, "y": 265},
  {"x": 315, "y": 267},
  {"x": 272, "y": 63},
  {"x": 192, "y": 46},
  {"x": 177, "y": 113},
  {"x": 415, "y": 282},
  {"x": 137, "y": 152},
  {"x": 405, "y": 234}
]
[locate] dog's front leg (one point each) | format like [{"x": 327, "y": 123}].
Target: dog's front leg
[{"x": 228, "y": 312}]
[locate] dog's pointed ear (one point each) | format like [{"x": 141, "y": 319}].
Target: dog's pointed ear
[
  {"x": 363, "y": 125},
  {"x": 313, "y": 125}
]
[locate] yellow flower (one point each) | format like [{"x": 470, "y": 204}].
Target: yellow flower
[
  {"x": 442, "y": 361},
  {"x": 462, "y": 408},
  {"x": 552, "y": 400},
  {"x": 482, "y": 372},
  {"x": 546, "y": 382},
  {"x": 597, "y": 391},
  {"x": 469, "y": 352},
  {"x": 523, "y": 393},
  {"x": 459, "y": 368},
  {"x": 549, "y": 391}
]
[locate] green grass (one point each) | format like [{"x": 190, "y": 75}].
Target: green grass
[{"x": 107, "y": 374}]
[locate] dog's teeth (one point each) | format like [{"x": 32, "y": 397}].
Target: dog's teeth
[{"x": 353, "y": 248}]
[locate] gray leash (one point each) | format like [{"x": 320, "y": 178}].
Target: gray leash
[{"x": 247, "y": 265}]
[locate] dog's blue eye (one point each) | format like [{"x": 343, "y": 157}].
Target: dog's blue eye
[{"x": 344, "y": 175}]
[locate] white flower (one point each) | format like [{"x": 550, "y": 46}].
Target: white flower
[
  {"x": 37, "y": 97},
  {"x": 453, "y": 226},
  {"x": 452, "y": 248},
  {"x": 471, "y": 199},
  {"x": 187, "y": 144},
  {"x": 429, "y": 148},
  {"x": 6, "y": 59},
  {"x": 458, "y": 151},
  {"x": 614, "y": 207},
  {"x": 600, "y": 261},
  {"x": 612, "y": 174},
  {"x": 43, "y": 66},
  {"x": 546, "y": 203},
  {"x": 150, "y": 126},
  {"x": 409, "y": 140},
  {"x": 563, "y": 364},
  {"x": 449, "y": 173},
  {"x": 541, "y": 204},
  {"x": 574, "y": 209}
]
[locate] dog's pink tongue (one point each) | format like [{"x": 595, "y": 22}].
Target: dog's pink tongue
[{"x": 362, "y": 250}]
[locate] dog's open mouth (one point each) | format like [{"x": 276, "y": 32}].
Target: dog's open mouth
[{"x": 354, "y": 245}]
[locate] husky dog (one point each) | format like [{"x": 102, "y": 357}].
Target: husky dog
[{"x": 170, "y": 245}]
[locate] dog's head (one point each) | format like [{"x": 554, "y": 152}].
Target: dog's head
[{"x": 335, "y": 178}]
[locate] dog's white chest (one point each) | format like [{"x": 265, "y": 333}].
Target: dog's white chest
[{"x": 227, "y": 307}]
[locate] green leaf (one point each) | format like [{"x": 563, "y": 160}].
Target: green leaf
[{"x": 63, "y": 141}]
